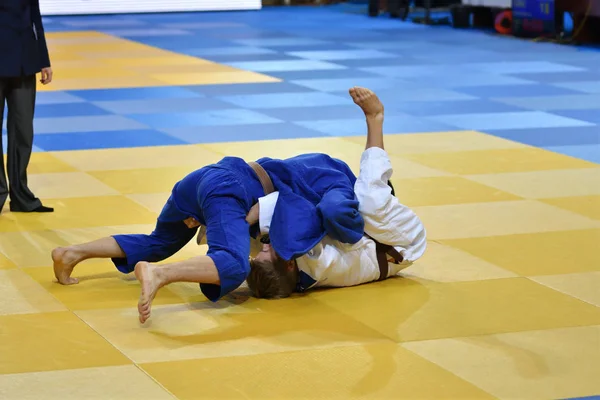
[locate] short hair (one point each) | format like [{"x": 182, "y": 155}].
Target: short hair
[{"x": 271, "y": 279}]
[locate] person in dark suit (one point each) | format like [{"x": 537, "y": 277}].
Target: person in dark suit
[{"x": 23, "y": 54}]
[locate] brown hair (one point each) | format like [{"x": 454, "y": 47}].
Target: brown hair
[{"x": 272, "y": 279}]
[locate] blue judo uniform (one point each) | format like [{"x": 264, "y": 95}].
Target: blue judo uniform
[{"x": 316, "y": 198}]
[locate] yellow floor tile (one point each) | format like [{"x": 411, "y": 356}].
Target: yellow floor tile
[
  {"x": 584, "y": 205},
  {"x": 543, "y": 184},
  {"x": 139, "y": 158},
  {"x": 118, "y": 383},
  {"x": 499, "y": 218},
  {"x": 79, "y": 213},
  {"x": 203, "y": 67},
  {"x": 93, "y": 35},
  {"x": 142, "y": 181},
  {"x": 166, "y": 60},
  {"x": 6, "y": 263},
  {"x": 584, "y": 286},
  {"x": 46, "y": 163},
  {"x": 22, "y": 295},
  {"x": 442, "y": 263},
  {"x": 441, "y": 190},
  {"x": 52, "y": 341},
  {"x": 407, "y": 310},
  {"x": 32, "y": 249},
  {"x": 235, "y": 326},
  {"x": 152, "y": 201},
  {"x": 213, "y": 78},
  {"x": 441, "y": 142},
  {"x": 68, "y": 184},
  {"x": 102, "y": 82},
  {"x": 499, "y": 161},
  {"x": 131, "y": 64},
  {"x": 254, "y": 150},
  {"x": 553, "y": 364},
  {"x": 97, "y": 71},
  {"x": 379, "y": 371},
  {"x": 545, "y": 253},
  {"x": 100, "y": 286}
]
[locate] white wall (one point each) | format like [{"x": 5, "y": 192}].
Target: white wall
[
  {"x": 489, "y": 3},
  {"x": 73, "y": 7}
]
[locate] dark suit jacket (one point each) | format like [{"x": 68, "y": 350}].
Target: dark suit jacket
[{"x": 23, "y": 49}]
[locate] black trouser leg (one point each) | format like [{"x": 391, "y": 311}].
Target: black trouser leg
[
  {"x": 21, "y": 107},
  {"x": 4, "y": 87},
  {"x": 373, "y": 8}
]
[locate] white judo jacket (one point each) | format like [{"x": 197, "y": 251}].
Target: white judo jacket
[{"x": 335, "y": 264}]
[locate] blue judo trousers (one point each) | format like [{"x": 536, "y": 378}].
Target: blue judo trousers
[{"x": 316, "y": 198}]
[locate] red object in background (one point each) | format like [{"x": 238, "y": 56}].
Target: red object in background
[{"x": 503, "y": 22}]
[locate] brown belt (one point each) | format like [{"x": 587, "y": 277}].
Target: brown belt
[
  {"x": 383, "y": 251},
  {"x": 263, "y": 177}
]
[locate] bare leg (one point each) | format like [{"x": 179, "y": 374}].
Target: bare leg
[
  {"x": 66, "y": 258},
  {"x": 152, "y": 277},
  {"x": 373, "y": 109}
]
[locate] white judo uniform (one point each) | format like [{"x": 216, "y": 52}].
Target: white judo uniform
[{"x": 335, "y": 264}]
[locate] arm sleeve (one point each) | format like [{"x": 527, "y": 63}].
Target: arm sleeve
[
  {"x": 228, "y": 239},
  {"x": 36, "y": 19}
]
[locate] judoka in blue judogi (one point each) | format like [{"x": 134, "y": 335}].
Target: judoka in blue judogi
[{"x": 316, "y": 198}]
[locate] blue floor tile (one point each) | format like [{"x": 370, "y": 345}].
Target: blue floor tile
[
  {"x": 56, "y": 98},
  {"x": 432, "y": 108},
  {"x": 375, "y": 62},
  {"x": 568, "y": 102},
  {"x": 334, "y": 55},
  {"x": 206, "y": 118},
  {"x": 390, "y": 97},
  {"x": 134, "y": 93},
  {"x": 86, "y": 124},
  {"x": 512, "y": 120},
  {"x": 340, "y": 85},
  {"x": 584, "y": 86},
  {"x": 556, "y": 77},
  {"x": 248, "y": 88},
  {"x": 147, "y": 32},
  {"x": 232, "y": 50},
  {"x": 322, "y": 74},
  {"x": 285, "y": 65},
  {"x": 417, "y": 71},
  {"x": 592, "y": 116},
  {"x": 534, "y": 90},
  {"x": 214, "y": 134},
  {"x": 278, "y": 100},
  {"x": 245, "y": 58},
  {"x": 453, "y": 80},
  {"x": 314, "y": 113},
  {"x": 521, "y": 67},
  {"x": 392, "y": 125},
  {"x": 104, "y": 140},
  {"x": 547, "y": 137},
  {"x": 68, "y": 110},
  {"x": 151, "y": 106},
  {"x": 276, "y": 42},
  {"x": 588, "y": 152}
]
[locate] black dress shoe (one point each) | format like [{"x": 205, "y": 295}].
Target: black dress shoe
[{"x": 40, "y": 209}]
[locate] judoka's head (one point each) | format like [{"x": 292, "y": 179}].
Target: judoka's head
[{"x": 272, "y": 277}]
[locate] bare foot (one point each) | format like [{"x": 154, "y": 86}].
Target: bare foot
[
  {"x": 64, "y": 260},
  {"x": 146, "y": 274},
  {"x": 367, "y": 101}
]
